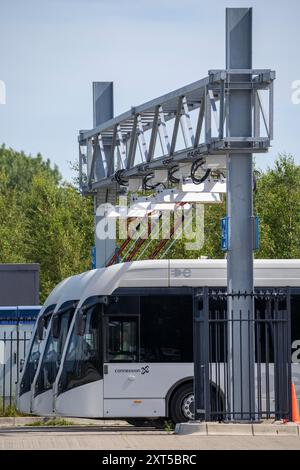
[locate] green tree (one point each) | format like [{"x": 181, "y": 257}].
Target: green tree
[
  {"x": 277, "y": 202},
  {"x": 42, "y": 219},
  {"x": 17, "y": 169},
  {"x": 60, "y": 227}
]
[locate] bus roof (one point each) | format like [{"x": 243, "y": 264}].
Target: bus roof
[{"x": 185, "y": 272}]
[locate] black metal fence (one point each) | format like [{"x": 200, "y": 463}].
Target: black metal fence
[
  {"x": 223, "y": 344},
  {"x": 14, "y": 339}
]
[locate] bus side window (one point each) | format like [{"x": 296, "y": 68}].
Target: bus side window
[
  {"x": 166, "y": 328},
  {"x": 122, "y": 345}
]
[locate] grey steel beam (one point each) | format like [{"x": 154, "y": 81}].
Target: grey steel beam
[
  {"x": 141, "y": 139},
  {"x": 271, "y": 110},
  {"x": 163, "y": 133},
  {"x": 184, "y": 91},
  {"x": 153, "y": 137},
  {"x": 199, "y": 123},
  {"x": 193, "y": 92},
  {"x": 89, "y": 158},
  {"x": 240, "y": 216},
  {"x": 221, "y": 110},
  {"x": 176, "y": 125},
  {"x": 103, "y": 100},
  {"x": 186, "y": 125},
  {"x": 132, "y": 145},
  {"x": 121, "y": 148},
  {"x": 102, "y": 111},
  {"x": 111, "y": 165},
  {"x": 207, "y": 116}
]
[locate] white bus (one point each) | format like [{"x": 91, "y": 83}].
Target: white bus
[
  {"x": 129, "y": 348},
  {"x": 65, "y": 293},
  {"x": 29, "y": 366}
]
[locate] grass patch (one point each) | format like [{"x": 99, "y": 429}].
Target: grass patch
[
  {"x": 10, "y": 412},
  {"x": 169, "y": 426},
  {"x": 52, "y": 422}
]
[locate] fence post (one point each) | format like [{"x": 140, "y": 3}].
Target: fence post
[
  {"x": 282, "y": 357},
  {"x": 201, "y": 355}
]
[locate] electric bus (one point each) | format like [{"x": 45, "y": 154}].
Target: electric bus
[
  {"x": 57, "y": 302},
  {"x": 28, "y": 366},
  {"x": 129, "y": 348},
  {"x": 48, "y": 365}
]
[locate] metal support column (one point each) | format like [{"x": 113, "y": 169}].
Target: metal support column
[
  {"x": 102, "y": 112},
  {"x": 201, "y": 355},
  {"x": 240, "y": 214}
]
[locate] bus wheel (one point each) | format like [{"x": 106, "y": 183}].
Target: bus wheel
[
  {"x": 182, "y": 407},
  {"x": 182, "y": 404}
]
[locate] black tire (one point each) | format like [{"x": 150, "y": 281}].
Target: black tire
[
  {"x": 182, "y": 404},
  {"x": 183, "y": 399}
]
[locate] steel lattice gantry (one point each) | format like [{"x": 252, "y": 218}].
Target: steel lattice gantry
[
  {"x": 215, "y": 123},
  {"x": 180, "y": 126}
]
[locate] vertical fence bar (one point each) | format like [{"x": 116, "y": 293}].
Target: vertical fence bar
[
  {"x": 225, "y": 360},
  {"x": 233, "y": 365},
  {"x": 283, "y": 323},
  {"x": 4, "y": 374},
  {"x": 219, "y": 363},
  {"x": 289, "y": 358},
  {"x": 198, "y": 358},
  {"x": 250, "y": 377},
  {"x": 208, "y": 350},
  {"x": 274, "y": 329},
  {"x": 258, "y": 361},
  {"x": 214, "y": 358},
  {"x": 11, "y": 369},
  {"x": 18, "y": 347},
  {"x": 267, "y": 369},
  {"x": 241, "y": 361}
]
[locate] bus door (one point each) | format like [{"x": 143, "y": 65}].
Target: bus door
[{"x": 128, "y": 385}]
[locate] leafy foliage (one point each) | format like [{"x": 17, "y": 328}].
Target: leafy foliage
[
  {"x": 42, "y": 219},
  {"x": 46, "y": 221},
  {"x": 277, "y": 202}
]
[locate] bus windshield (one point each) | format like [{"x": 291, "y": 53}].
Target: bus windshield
[
  {"x": 54, "y": 348},
  {"x": 34, "y": 353}
]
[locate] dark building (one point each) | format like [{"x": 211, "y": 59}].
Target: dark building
[{"x": 19, "y": 284}]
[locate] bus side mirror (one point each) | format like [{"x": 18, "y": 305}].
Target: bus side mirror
[
  {"x": 107, "y": 299},
  {"x": 55, "y": 326},
  {"x": 80, "y": 322},
  {"x": 40, "y": 328},
  {"x": 103, "y": 300}
]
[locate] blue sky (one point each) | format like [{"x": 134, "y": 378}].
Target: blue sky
[{"x": 52, "y": 50}]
